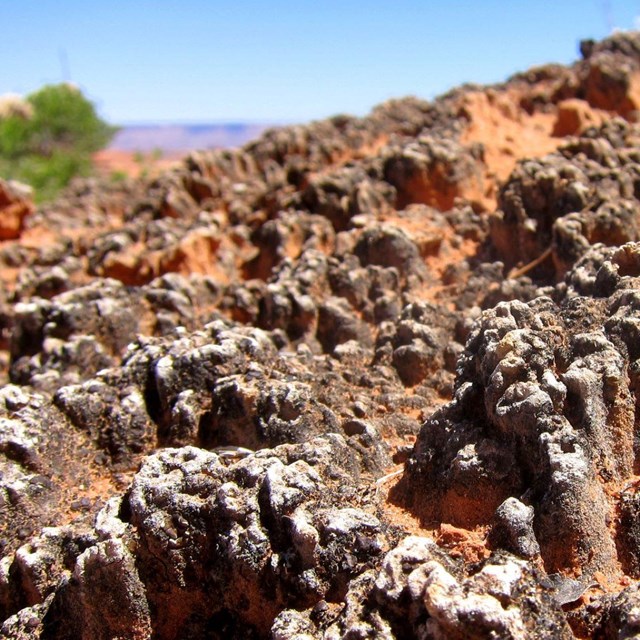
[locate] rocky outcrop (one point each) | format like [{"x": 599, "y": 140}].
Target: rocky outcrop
[
  {"x": 563, "y": 204},
  {"x": 419, "y": 590},
  {"x": 368, "y": 377}
]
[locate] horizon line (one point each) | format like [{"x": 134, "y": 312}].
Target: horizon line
[{"x": 209, "y": 123}]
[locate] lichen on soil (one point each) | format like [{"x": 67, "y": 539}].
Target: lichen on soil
[{"x": 365, "y": 378}]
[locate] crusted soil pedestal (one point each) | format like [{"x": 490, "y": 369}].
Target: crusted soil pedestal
[{"x": 367, "y": 378}]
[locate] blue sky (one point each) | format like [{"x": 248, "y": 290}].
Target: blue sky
[{"x": 284, "y": 60}]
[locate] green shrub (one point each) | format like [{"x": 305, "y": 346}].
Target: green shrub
[{"x": 50, "y": 141}]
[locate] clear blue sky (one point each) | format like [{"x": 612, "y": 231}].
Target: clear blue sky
[{"x": 284, "y": 60}]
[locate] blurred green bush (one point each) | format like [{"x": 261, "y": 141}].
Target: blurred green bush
[{"x": 47, "y": 138}]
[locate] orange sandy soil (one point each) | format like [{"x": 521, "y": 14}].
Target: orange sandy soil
[
  {"x": 113, "y": 163},
  {"x": 508, "y": 133}
]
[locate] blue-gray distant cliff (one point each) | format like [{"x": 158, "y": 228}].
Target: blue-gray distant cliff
[{"x": 183, "y": 137}]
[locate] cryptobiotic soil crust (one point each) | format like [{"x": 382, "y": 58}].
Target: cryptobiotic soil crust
[{"x": 366, "y": 378}]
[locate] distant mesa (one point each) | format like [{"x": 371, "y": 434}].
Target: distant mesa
[{"x": 184, "y": 137}]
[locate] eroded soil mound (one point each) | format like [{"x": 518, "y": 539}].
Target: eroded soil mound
[{"x": 365, "y": 378}]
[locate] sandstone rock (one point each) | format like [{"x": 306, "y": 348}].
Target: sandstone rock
[
  {"x": 337, "y": 324},
  {"x": 574, "y": 116},
  {"x": 562, "y": 205},
  {"x": 342, "y": 196},
  {"x": 269, "y": 519},
  {"x": 15, "y": 206},
  {"x": 513, "y": 529},
  {"x": 419, "y": 590},
  {"x": 434, "y": 172},
  {"x": 390, "y": 248},
  {"x": 42, "y": 461},
  {"x": 530, "y": 373}
]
